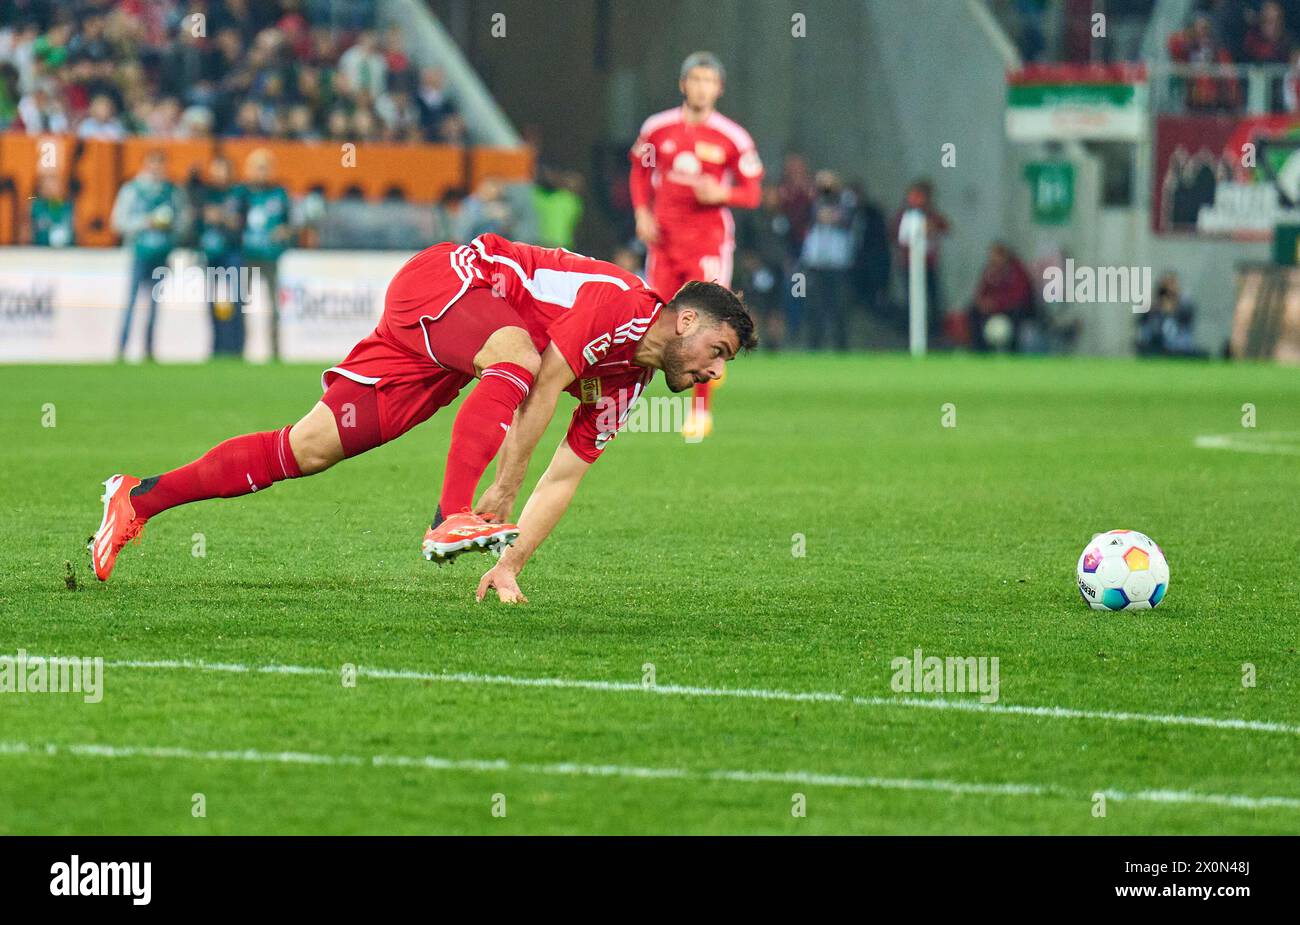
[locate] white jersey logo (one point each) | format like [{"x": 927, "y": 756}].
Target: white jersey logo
[{"x": 596, "y": 349}]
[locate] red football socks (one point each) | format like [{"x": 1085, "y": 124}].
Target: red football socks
[
  {"x": 236, "y": 467},
  {"x": 479, "y": 429}
]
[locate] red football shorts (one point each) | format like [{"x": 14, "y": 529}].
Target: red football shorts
[
  {"x": 688, "y": 253},
  {"x": 419, "y": 356}
]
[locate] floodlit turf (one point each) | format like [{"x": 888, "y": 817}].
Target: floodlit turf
[{"x": 678, "y": 560}]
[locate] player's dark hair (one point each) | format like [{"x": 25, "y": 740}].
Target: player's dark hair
[{"x": 720, "y": 304}]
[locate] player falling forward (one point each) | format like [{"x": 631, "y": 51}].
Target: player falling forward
[
  {"x": 529, "y": 323},
  {"x": 688, "y": 165}
]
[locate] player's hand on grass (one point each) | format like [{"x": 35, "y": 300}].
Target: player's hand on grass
[
  {"x": 501, "y": 579},
  {"x": 647, "y": 229},
  {"x": 497, "y": 503},
  {"x": 709, "y": 192}
]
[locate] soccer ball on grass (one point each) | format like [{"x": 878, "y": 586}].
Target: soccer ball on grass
[{"x": 1123, "y": 570}]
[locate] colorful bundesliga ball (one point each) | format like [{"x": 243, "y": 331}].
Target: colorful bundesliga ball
[{"x": 1123, "y": 570}]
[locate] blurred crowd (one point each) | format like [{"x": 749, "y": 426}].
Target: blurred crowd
[
  {"x": 231, "y": 68},
  {"x": 1242, "y": 32}
]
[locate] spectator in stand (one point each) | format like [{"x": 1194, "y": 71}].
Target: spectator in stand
[
  {"x": 90, "y": 69},
  {"x": 434, "y": 101},
  {"x": 1269, "y": 42},
  {"x": 1005, "y": 292},
  {"x": 453, "y": 131},
  {"x": 197, "y": 122},
  {"x": 9, "y": 95},
  {"x": 296, "y": 29},
  {"x": 338, "y": 127},
  {"x": 191, "y": 67},
  {"x": 764, "y": 266},
  {"x": 871, "y": 258},
  {"x": 1228, "y": 22},
  {"x": 827, "y": 258},
  {"x": 41, "y": 111},
  {"x": 1198, "y": 45},
  {"x": 101, "y": 123},
  {"x": 399, "y": 115},
  {"x": 796, "y": 194},
  {"x": 51, "y": 214},
  {"x": 365, "y": 125},
  {"x": 1031, "y": 14},
  {"x": 401, "y": 74},
  {"x": 918, "y": 202},
  {"x": 50, "y": 50},
  {"x": 248, "y": 121},
  {"x": 1166, "y": 329},
  {"x": 364, "y": 66},
  {"x": 17, "y": 46},
  {"x": 302, "y": 124},
  {"x": 268, "y": 231},
  {"x": 149, "y": 213},
  {"x": 164, "y": 119}
]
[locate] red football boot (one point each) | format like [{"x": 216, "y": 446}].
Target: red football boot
[
  {"x": 119, "y": 526},
  {"x": 464, "y": 532}
]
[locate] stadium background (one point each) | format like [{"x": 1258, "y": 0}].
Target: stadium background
[
  {"x": 710, "y": 629},
  {"x": 861, "y": 88}
]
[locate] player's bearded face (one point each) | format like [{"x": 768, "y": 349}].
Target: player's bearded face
[{"x": 689, "y": 358}]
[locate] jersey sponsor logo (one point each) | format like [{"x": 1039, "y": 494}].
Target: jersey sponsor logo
[
  {"x": 590, "y": 389},
  {"x": 750, "y": 165},
  {"x": 597, "y": 349},
  {"x": 710, "y": 153},
  {"x": 686, "y": 164}
]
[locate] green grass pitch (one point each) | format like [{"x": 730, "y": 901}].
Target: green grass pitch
[{"x": 961, "y": 541}]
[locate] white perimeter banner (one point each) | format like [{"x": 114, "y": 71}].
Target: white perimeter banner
[{"x": 67, "y": 305}]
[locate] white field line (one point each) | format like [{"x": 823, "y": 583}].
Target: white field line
[
  {"x": 741, "y": 693},
  {"x": 571, "y": 769},
  {"x": 1247, "y": 443}
]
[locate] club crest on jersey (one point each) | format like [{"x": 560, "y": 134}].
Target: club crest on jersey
[
  {"x": 710, "y": 153},
  {"x": 598, "y": 347},
  {"x": 590, "y": 389}
]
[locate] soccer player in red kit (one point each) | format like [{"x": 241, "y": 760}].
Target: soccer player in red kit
[
  {"x": 528, "y": 323},
  {"x": 689, "y": 164}
]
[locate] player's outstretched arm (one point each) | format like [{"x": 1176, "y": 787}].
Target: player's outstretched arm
[
  {"x": 547, "y": 504},
  {"x": 530, "y": 423}
]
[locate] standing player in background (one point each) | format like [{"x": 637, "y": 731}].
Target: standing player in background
[{"x": 689, "y": 164}]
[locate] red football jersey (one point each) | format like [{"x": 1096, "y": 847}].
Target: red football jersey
[
  {"x": 593, "y": 311},
  {"x": 671, "y": 154}
]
